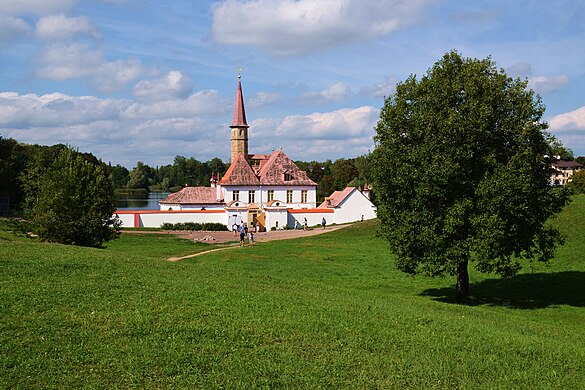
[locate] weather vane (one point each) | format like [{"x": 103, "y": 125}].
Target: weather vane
[{"x": 240, "y": 72}]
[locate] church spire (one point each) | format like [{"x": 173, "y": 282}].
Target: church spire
[
  {"x": 239, "y": 125},
  {"x": 239, "y": 111}
]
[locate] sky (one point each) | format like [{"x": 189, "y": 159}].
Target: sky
[{"x": 147, "y": 80}]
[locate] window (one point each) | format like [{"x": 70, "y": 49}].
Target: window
[
  {"x": 270, "y": 195},
  {"x": 289, "y": 196},
  {"x": 251, "y": 196},
  {"x": 304, "y": 196},
  {"x": 236, "y": 195},
  {"x": 287, "y": 177}
]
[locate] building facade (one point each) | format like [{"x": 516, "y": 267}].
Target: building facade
[
  {"x": 563, "y": 171},
  {"x": 264, "y": 190}
]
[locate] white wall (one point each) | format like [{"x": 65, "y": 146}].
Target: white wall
[
  {"x": 276, "y": 218},
  {"x": 353, "y": 207},
  {"x": 314, "y": 217},
  {"x": 351, "y": 210},
  {"x": 261, "y": 195},
  {"x": 155, "y": 219}
]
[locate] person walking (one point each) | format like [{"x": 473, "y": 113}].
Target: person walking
[
  {"x": 251, "y": 238},
  {"x": 305, "y": 225},
  {"x": 323, "y": 222},
  {"x": 242, "y": 235}
]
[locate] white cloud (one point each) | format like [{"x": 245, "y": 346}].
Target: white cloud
[
  {"x": 173, "y": 85},
  {"x": 318, "y": 136},
  {"x": 570, "y": 129},
  {"x": 569, "y": 121},
  {"x": 35, "y": 7},
  {"x": 31, "y": 110},
  {"x": 544, "y": 84},
  {"x": 116, "y": 129},
  {"x": 60, "y": 26},
  {"x": 205, "y": 102},
  {"x": 336, "y": 92},
  {"x": 293, "y": 27},
  {"x": 62, "y": 61},
  {"x": 342, "y": 124},
  {"x": 12, "y": 29},
  {"x": 68, "y": 61}
]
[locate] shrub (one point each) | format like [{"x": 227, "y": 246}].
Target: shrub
[
  {"x": 577, "y": 184},
  {"x": 214, "y": 227},
  {"x": 191, "y": 226},
  {"x": 196, "y": 226},
  {"x": 71, "y": 201}
]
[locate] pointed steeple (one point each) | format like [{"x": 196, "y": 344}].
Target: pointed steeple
[
  {"x": 239, "y": 126},
  {"x": 239, "y": 111}
]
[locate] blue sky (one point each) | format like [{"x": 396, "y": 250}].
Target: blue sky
[{"x": 147, "y": 80}]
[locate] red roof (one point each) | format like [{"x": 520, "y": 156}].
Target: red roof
[
  {"x": 240, "y": 173},
  {"x": 281, "y": 170},
  {"x": 193, "y": 195},
  {"x": 239, "y": 112},
  {"x": 336, "y": 198},
  {"x": 277, "y": 170}
]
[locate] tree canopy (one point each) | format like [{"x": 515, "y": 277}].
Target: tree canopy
[
  {"x": 70, "y": 200},
  {"x": 461, "y": 171}
]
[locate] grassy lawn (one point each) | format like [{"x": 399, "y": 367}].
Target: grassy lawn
[{"x": 328, "y": 311}]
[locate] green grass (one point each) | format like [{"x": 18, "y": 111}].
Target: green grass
[{"x": 328, "y": 311}]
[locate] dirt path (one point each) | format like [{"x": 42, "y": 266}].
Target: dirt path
[{"x": 224, "y": 237}]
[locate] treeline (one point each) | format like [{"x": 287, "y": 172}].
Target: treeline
[
  {"x": 17, "y": 158},
  {"x": 329, "y": 175},
  {"x": 184, "y": 171}
]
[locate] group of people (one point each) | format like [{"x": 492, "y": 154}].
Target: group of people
[{"x": 244, "y": 233}]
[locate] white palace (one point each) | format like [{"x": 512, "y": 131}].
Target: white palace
[{"x": 264, "y": 190}]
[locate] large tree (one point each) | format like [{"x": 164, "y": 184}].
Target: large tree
[
  {"x": 70, "y": 201},
  {"x": 461, "y": 172}
]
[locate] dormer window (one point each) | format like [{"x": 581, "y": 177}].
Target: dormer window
[{"x": 287, "y": 176}]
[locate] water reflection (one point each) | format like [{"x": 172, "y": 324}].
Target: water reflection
[{"x": 140, "y": 201}]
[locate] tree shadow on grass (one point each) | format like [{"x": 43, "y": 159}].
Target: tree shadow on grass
[{"x": 526, "y": 291}]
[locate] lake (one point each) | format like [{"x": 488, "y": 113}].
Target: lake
[{"x": 139, "y": 201}]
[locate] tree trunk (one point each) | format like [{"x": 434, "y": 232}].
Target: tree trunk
[{"x": 462, "y": 286}]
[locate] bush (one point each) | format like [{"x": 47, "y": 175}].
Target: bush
[
  {"x": 70, "y": 201},
  {"x": 196, "y": 226},
  {"x": 577, "y": 184},
  {"x": 214, "y": 227},
  {"x": 192, "y": 226},
  {"x": 167, "y": 226}
]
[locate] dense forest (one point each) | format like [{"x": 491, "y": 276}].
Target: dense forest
[{"x": 16, "y": 158}]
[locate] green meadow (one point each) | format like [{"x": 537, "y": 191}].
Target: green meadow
[{"x": 328, "y": 311}]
